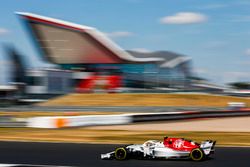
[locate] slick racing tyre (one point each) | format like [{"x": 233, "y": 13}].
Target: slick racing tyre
[
  {"x": 197, "y": 154},
  {"x": 120, "y": 153}
]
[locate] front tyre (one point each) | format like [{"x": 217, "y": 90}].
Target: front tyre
[
  {"x": 197, "y": 154},
  {"x": 120, "y": 153}
]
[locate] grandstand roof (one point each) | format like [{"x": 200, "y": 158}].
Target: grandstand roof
[
  {"x": 62, "y": 42},
  {"x": 170, "y": 59}
]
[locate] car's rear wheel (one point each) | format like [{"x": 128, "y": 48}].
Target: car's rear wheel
[
  {"x": 197, "y": 154},
  {"x": 120, "y": 153}
]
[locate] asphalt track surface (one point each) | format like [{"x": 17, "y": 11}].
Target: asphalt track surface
[{"x": 89, "y": 155}]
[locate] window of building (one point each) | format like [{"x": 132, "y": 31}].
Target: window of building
[{"x": 35, "y": 80}]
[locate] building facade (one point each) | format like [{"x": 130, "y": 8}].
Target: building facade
[{"x": 84, "y": 49}]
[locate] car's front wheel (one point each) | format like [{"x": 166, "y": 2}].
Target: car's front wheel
[
  {"x": 197, "y": 154},
  {"x": 120, "y": 153}
]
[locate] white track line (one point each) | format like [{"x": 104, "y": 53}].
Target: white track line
[{"x": 29, "y": 165}]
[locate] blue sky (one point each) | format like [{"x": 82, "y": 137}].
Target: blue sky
[{"x": 216, "y": 34}]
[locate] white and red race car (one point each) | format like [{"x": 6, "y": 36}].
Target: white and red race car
[{"x": 170, "y": 148}]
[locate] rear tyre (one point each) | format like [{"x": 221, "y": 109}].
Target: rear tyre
[
  {"x": 197, "y": 154},
  {"x": 120, "y": 153}
]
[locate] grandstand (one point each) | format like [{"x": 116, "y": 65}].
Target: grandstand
[{"x": 72, "y": 46}]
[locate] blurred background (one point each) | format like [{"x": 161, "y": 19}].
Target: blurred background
[
  {"x": 124, "y": 71},
  {"x": 176, "y": 48}
]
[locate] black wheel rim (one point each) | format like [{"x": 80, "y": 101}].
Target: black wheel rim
[
  {"x": 196, "y": 154},
  {"x": 120, "y": 153}
]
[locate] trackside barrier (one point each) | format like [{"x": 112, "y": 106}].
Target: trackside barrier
[
  {"x": 236, "y": 105},
  {"x": 188, "y": 115},
  {"x": 92, "y": 120},
  {"x": 76, "y": 121}
]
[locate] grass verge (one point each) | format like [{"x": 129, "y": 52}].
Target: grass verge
[
  {"x": 85, "y": 135},
  {"x": 126, "y": 99},
  {"x": 27, "y": 114}
]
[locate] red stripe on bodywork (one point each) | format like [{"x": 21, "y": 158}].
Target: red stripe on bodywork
[{"x": 53, "y": 23}]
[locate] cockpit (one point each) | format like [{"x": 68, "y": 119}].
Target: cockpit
[{"x": 151, "y": 143}]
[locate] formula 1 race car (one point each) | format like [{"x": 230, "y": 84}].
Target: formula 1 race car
[{"x": 170, "y": 148}]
